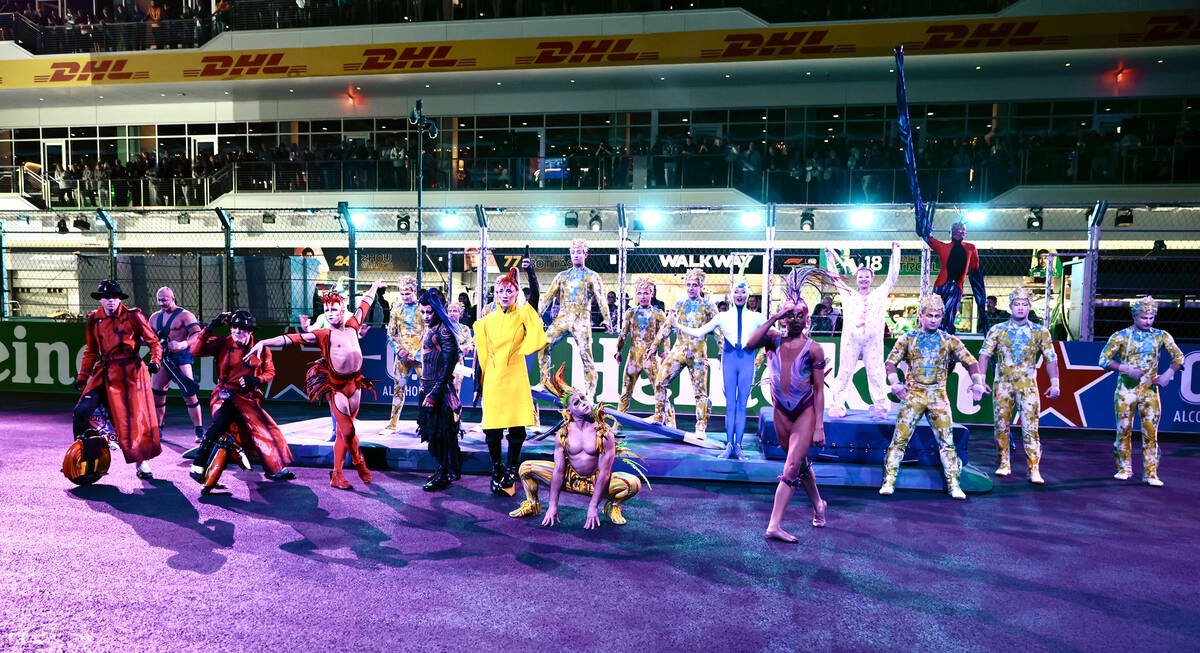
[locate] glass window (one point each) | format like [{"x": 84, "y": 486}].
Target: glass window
[
  {"x": 27, "y": 151},
  {"x": 231, "y": 128},
  {"x": 383, "y": 124},
  {"x": 6, "y": 152},
  {"x": 532, "y": 120},
  {"x": 83, "y": 132},
  {"x": 776, "y": 115},
  {"x": 1073, "y": 108},
  {"x": 674, "y": 117},
  {"x": 491, "y": 122},
  {"x": 707, "y": 117},
  {"x": 946, "y": 110},
  {"x": 638, "y": 117},
  {"x": 299, "y": 141},
  {"x": 262, "y": 127},
  {"x": 30, "y": 133},
  {"x": 1162, "y": 105},
  {"x": 826, "y": 113},
  {"x": 466, "y": 122},
  {"x": 54, "y": 132},
  {"x": 980, "y": 110},
  {"x": 5, "y": 134},
  {"x": 83, "y": 149},
  {"x": 172, "y": 130},
  {"x": 170, "y": 147},
  {"x": 745, "y": 115},
  {"x": 202, "y": 129},
  {"x": 945, "y": 128},
  {"x": 327, "y": 127},
  {"x": 358, "y": 125},
  {"x": 562, "y": 120},
  {"x": 108, "y": 131},
  {"x": 232, "y": 144},
  {"x": 143, "y": 130},
  {"x": 864, "y": 113},
  {"x": 862, "y": 131},
  {"x": 109, "y": 149},
  {"x": 795, "y": 114},
  {"x": 1116, "y": 106},
  {"x": 1031, "y": 109},
  {"x": 557, "y": 140},
  {"x": 596, "y": 119}
]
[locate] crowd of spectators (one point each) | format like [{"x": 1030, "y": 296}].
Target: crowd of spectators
[{"x": 110, "y": 29}]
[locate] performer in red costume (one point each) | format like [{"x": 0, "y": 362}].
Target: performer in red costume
[
  {"x": 112, "y": 373},
  {"x": 336, "y": 377},
  {"x": 237, "y": 398},
  {"x": 959, "y": 260}
]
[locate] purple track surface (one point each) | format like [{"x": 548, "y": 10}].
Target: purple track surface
[{"x": 1085, "y": 563}]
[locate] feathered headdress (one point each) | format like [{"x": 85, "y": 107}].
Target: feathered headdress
[
  {"x": 931, "y": 302},
  {"x": 332, "y": 296},
  {"x": 800, "y": 276},
  {"x": 739, "y": 281},
  {"x": 1146, "y": 304},
  {"x": 1020, "y": 293}
]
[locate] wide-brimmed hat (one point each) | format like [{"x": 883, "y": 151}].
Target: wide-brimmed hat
[{"x": 109, "y": 287}]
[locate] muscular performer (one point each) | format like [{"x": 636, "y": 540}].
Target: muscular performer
[
  {"x": 1016, "y": 344},
  {"x": 575, "y": 289},
  {"x": 1133, "y": 352},
  {"x": 584, "y": 453},
  {"x": 688, "y": 351},
  {"x": 863, "y": 314},
  {"x": 640, "y": 329},
  {"x": 929, "y": 353},
  {"x": 112, "y": 373},
  {"x": 738, "y": 362},
  {"x": 799, "y": 398},
  {"x": 405, "y": 328},
  {"x": 437, "y": 421},
  {"x": 336, "y": 377},
  {"x": 174, "y": 325},
  {"x": 237, "y": 398},
  {"x": 959, "y": 260}
]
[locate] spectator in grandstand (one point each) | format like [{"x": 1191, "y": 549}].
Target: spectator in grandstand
[{"x": 995, "y": 315}]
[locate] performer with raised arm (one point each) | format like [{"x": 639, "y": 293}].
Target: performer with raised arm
[
  {"x": 575, "y": 289},
  {"x": 1016, "y": 344},
  {"x": 1133, "y": 353},
  {"x": 584, "y": 453},
  {"x": 438, "y": 421},
  {"x": 640, "y": 329},
  {"x": 738, "y": 362},
  {"x": 237, "y": 400},
  {"x": 174, "y": 326},
  {"x": 864, "y": 312},
  {"x": 405, "y": 328},
  {"x": 959, "y": 260},
  {"x": 929, "y": 353},
  {"x": 688, "y": 351},
  {"x": 112, "y": 374},
  {"x": 337, "y": 376},
  {"x": 503, "y": 338},
  {"x": 798, "y": 392}
]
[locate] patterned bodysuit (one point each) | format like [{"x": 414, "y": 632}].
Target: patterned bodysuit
[
  {"x": 1139, "y": 348},
  {"x": 690, "y": 352},
  {"x": 1015, "y": 348},
  {"x": 799, "y": 394},
  {"x": 928, "y": 356},
  {"x": 405, "y": 328},
  {"x": 574, "y": 288},
  {"x": 640, "y": 327}
]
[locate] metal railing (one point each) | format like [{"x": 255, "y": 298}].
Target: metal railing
[{"x": 107, "y": 37}]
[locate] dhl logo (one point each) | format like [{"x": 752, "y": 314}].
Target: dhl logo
[
  {"x": 776, "y": 44},
  {"x": 430, "y": 56},
  {"x": 1009, "y": 34},
  {"x": 94, "y": 71},
  {"x": 586, "y": 51},
  {"x": 1164, "y": 29},
  {"x": 244, "y": 65}
]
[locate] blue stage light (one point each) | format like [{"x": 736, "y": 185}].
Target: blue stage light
[
  {"x": 976, "y": 216},
  {"x": 651, "y": 218},
  {"x": 862, "y": 218},
  {"x": 752, "y": 218},
  {"x": 449, "y": 219},
  {"x": 545, "y": 220}
]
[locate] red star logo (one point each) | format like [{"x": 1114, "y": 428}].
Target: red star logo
[
  {"x": 291, "y": 364},
  {"x": 1074, "y": 380}
]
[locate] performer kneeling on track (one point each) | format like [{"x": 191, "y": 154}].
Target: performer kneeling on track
[
  {"x": 438, "y": 421},
  {"x": 113, "y": 374},
  {"x": 799, "y": 399},
  {"x": 584, "y": 453},
  {"x": 240, "y": 423}
]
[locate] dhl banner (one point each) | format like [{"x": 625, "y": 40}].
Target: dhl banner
[{"x": 841, "y": 40}]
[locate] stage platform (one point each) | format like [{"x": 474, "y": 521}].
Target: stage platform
[{"x": 666, "y": 458}]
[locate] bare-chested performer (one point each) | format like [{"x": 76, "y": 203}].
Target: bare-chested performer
[
  {"x": 174, "y": 325},
  {"x": 336, "y": 376}
]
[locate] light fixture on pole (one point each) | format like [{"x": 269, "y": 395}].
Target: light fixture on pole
[{"x": 424, "y": 126}]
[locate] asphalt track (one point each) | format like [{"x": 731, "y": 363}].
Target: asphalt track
[{"x": 1086, "y": 563}]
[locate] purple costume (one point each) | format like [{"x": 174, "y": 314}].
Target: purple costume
[{"x": 799, "y": 394}]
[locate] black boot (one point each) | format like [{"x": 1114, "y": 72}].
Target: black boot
[
  {"x": 510, "y": 477},
  {"x": 498, "y": 474},
  {"x": 200, "y": 462},
  {"x": 439, "y": 481}
]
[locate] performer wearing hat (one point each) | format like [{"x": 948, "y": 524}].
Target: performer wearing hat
[
  {"x": 175, "y": 326},
  {"x": 337, "y": 376},
  {"x": 959, "y": 260},
  {"x": 438, "y": 418},
  {"x": 1133, "y": 353},
  {"x": 1016, "y": 344},
  {"x": 405, "y": 328},
  {"x": 688, "y": 351},
  {"x": 640, "y": 328},
  {"x": 236, "y": 402},
  {"x": 575, "y": 290},
  {"x": 929, "y": 353},
  {"x": 112, "y": 373}
]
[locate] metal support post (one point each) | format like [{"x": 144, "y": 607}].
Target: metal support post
[
  {"x": 4, "y": 314},
  {"x": 481, "y": 267},
  {"x": 622, "y": 265},
  {"x": 226, "y": 260},
  {"x": 768, "y": 272},
  {"x": 111, "y": 225},
  {"x": 343, "y": 209},
  {"x": 1087, "y": 326}
]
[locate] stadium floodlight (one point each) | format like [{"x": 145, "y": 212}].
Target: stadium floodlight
[
  {"x": 862, "y": 218},
  {"x": 807, "y": 221}
]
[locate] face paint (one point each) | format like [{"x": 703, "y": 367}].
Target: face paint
[
  {"x": 931, "y": 320},
  {"x": 1144, "y": 320},
  {"x": 1020, "y": 309},
  {"x": 739, "y": 295},
  {"x": 693, "y": 289},
  {"x": 110, "y": 304},
  {"x": 578, "y": 256},
  {"x": 506, "y": 295},
  {"x": 240, "y": 336},
  {"x": 644, "y": 295}
]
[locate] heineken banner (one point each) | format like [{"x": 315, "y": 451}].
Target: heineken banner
[{"x": 44, "y": 357}]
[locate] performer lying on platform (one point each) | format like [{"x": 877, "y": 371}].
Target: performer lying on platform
[
  {"x": 112, "y": 373},
  {"x": 640, "y": 329},
  {"x": 175, "y": 326},
  {"x": 799, "y": 399},
  {"x": 237, "y": 399},
  {"x": 438, "y": 420},
  {"x": 584, "y": 453},
  {"x": 1133, "y": 352},
  {"x": 1016, "y": 344},
  {"x": 929, "y": 353},
  {"x": 337, "y": 376}
]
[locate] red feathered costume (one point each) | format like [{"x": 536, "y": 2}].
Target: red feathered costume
[{"x": 111, "y": 363}]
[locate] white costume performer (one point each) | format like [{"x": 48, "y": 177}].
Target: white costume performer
[{"x": 863, "y": 315}]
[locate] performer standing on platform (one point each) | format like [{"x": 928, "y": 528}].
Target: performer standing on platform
[
  {"x": 405, "y": 328},
  {"x": 738, "y": 362},
  {"x": 237, "y": 398},
  {"x": 640, "y": 328},
  {"x": 503, "y": 338},
  {"x": 929, "y": 353},
  {"x": 584, "y": 453},
  {"x": 1133, "y": 352},
  {"x": 688, "y": 351},
  {"x": 799, "y": 398},
  {"x": 575, "y": 289},
  {"x": 438, "y": 421},
  {"x": 863, "y": 314},
  {"x": 466, "y": 343},
  {"x": 1016, "y": 344},
  {"x": 959, "y": 260},
  {"x": 174, "y": 326},
  {"x": 337, "y": 376},
  {"x": 112, "y": 373}
]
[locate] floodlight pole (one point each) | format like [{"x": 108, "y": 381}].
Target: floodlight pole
[
  {"x": 417, "y": 118},
  {"x": 109, "y": 224}
]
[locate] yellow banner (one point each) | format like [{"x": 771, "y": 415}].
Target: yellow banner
[{"x": 842, "y": 40}]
